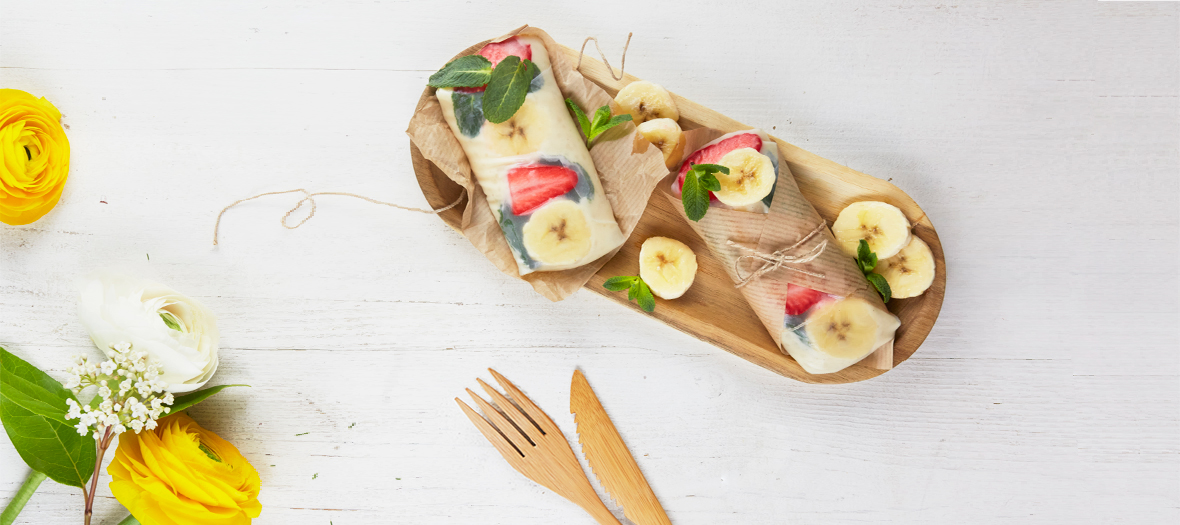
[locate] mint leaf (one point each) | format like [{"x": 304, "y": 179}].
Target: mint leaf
[
  {"x": 637, "y": 290},
  {"x": 33, "y": 413},
  {"x": 644, "y": 298},
  {"x": 878, "y": 281},
  {"x": 710, "y": 182},
  {"x": 616, "y": 120},
  {"x": 468, "y": 112},
  {"x": 618, "y": 284},
  {"x": 468, "y": 71},
  {"x": 186, "y": 401},
  {"x": 698, "y": 182},
  {"x": 602, "y": 121},
  {"x": 507, "y": 88},
  {"x": 583, "y": 122},
  {"x": 601, "y": 117},
  {"x": 865, "y": 258}
]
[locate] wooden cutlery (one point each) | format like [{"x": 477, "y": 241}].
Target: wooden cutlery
[
  {"x": 531, "y": 442},
  {"x": 533, "y": 445}
]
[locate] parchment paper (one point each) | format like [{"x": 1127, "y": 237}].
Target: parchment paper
[
  {"x": 627, "y": 179},
  {"x": 791, "y": 217}
]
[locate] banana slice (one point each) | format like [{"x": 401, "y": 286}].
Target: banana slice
[
  {"x": 665, "y": 134},
  {"x": 557, "y": 233},
  {"x": 883, "y": 225},
  {"x": 839, "y": 334},
  {"x": 668, "y": 266},
  {"x": 646, "y": 101},
  {"x": 750, "y": 178},
  {"x": 521, "y": 134},
  {"x": 910, "y": 272}
]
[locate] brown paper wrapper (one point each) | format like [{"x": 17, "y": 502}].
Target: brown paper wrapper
[
  {"x": 627, "y": 178},
  {"x": 791, "y": 218}
]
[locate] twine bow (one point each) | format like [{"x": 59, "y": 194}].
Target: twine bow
[{"x": 780, "y": 258}]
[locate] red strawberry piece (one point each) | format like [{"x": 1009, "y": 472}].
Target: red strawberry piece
[
  {"x": 712, "y": 154},
  {"x": 800, "y": 299},
  {"x": 470, "y": 89},
  {"x": 497, "y": 51},
  {"x": 533, "y": 185}
]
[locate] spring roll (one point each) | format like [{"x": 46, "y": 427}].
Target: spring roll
[
  {"x": 821, "y": 311},
  {"x": 535, "y": 169}
]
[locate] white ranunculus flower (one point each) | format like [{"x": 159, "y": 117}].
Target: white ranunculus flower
[{"x": 175, "y": 330}]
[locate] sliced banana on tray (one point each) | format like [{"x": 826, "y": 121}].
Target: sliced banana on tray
[
  {"x": 668, "y": 266},
  {"x": 910, "y": 272},
  {"x": 557, "y": 233},
  {"x": 750, "y": 178},
  {"x": 665, "y": 134},
  {"x": 646, "y": 101},
  {"x": 882, "y": 225}
]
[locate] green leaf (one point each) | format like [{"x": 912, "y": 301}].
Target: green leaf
[
  {"x": 468, "y": 112},
  {"x": 604, "y": 122},
  {"x": 618, "y": 284},
  {"x": 583, "y": 122},
  {"x": 186, "y": 401},
  {"x": 878, "y": 281},
  {"x": 698, "y": 182},
  {"x": 637, "y": 290},
  {"x": 865, "y": 258},
  {"x": 616, "y": 120},
  {"x": 507, "y": 88},
  {"x": 468, "y": 71},
  {"x": 710, "y": 182},
  {"x": 601, "y": 117},
  {"x": 644, "y": 298},
  {"x": 33, "y": 412}
]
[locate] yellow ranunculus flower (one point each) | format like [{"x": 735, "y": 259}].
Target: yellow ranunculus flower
[
  {"x": 182, "y": 474},
  {"x": 34, "y": 157}
]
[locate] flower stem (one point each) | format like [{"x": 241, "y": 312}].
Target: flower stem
[
  {"x": 103, "y": 443},
  {"x": 22, "y": 496}
]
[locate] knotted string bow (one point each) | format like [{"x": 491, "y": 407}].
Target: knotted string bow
[{"x": 782, "y": 258}]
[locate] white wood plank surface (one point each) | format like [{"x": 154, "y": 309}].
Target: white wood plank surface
[{"x": 1041, "y": 138}]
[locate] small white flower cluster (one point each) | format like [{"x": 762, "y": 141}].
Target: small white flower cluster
[{"x": 130, "y": 387}]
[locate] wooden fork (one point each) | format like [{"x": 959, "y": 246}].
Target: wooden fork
[{"x": 533, "y": 445}]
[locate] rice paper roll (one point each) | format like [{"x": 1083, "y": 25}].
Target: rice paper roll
[
  {"x": 534, "y": 169},
  {"x": 821, "y": 311}
]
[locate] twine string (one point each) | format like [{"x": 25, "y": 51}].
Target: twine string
[
  {"x": 309, "y": 198},
  {"x": 623, "y": 60},
  {"x": 782, "y": 258}
]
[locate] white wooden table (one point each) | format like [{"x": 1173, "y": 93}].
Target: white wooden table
[{"x": 1041, "y": 138}]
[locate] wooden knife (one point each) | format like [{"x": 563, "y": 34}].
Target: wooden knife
[{"x": 609, "y": 458}]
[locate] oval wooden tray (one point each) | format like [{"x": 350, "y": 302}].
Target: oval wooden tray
[{"x": 713, "y": 310}]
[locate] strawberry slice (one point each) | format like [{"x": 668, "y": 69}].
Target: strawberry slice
[
  {"x": 712, "y": 154},
  {"x": 800, "y": 299},
  {"x": 470, "y": 89},
  {"x": 497, "y": 51},
  {"x": 534, "y": 184}
]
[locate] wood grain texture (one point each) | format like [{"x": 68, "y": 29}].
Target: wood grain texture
[
  {"x": 713, "y": 310},
  {"x": 530, "y": 441},
  {"x": 613, "y": 465},
  {"x": 1039, "y": 137}
]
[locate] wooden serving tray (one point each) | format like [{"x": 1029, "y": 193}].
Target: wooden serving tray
[{"x": 713, "y": 310}]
